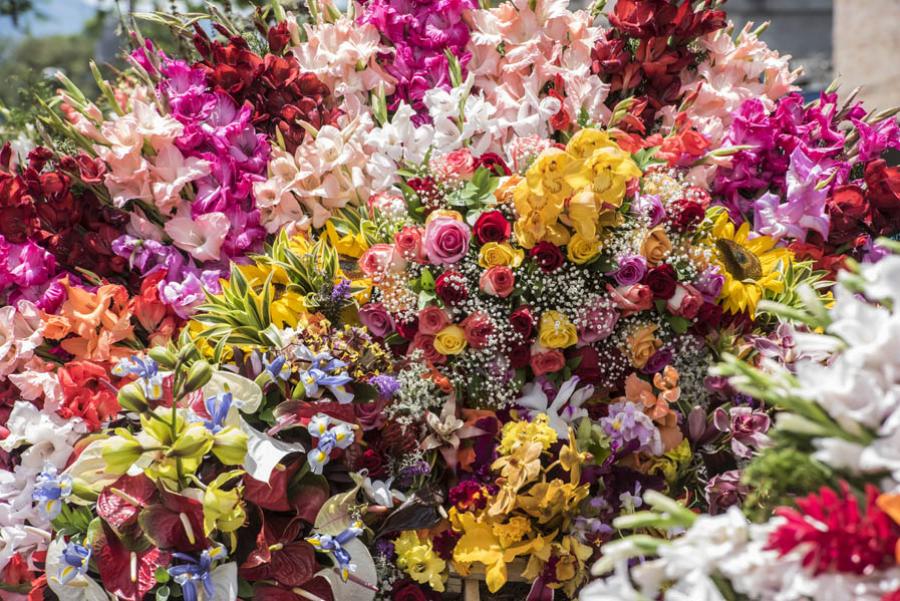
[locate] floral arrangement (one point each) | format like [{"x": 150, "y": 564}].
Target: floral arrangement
[
  {"x": 355, "y": 305},
  {"x": 826, "y": 524}
]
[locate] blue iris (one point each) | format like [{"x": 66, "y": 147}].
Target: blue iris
[
  {"x": 50, "y": 490},
  {"x": 196, "y": 570},
  {"x": 279, "y": 368},
  {"x": 147, "y": 371},
  {"x": 335, "y": 545},
  {"x": 75, "y": 559},
  {"x": 217, "y": 407}
]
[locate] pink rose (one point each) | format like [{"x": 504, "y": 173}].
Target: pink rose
[
  {"x": 387, "y": 203},
  {"x": 425, "y": 343},
  {"x": 376, "y": 318},
  {"x": 432, "y": 320},
  {"x": 381, "y": 258},
  {"x": 478, "y": 327},
  {"x": 547, "y": 362},
  {"x": 459, "y": 164},
  {"x": 599, "y": 322},
  {"x": 497, "y": 281},
  {"x": 686, "y": 301},
  {"x": 409, "y": 242},
  {"x": 446, "y": 240},
  {"x": 631, "y": 299}
]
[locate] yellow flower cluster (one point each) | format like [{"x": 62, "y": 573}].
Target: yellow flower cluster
[
  {"x": 517, "y": 433},
  {"x": 418, "y": 559},
  {"x": 568, "y": 196},
  {"x": 530, "y": 514}
]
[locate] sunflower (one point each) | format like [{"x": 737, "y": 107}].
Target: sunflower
[{"x": 751, "y": 266}]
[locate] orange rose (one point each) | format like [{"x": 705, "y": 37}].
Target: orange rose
[
  {"x": 656, "y": 246},
  {"x": 642, "y": 343}
]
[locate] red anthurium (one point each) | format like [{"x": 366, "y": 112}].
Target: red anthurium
[
  {"x": 317, "y": 588},
  {"x": 274, "y": 494},
  {"x": 128, "y": 574},
  {"x": 176, "y": 522},
  {"x": 121, "y": 502},
  {"x": 281, "y": 554}
]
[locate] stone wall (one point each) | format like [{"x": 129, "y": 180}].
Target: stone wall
[{"x": 866, "y": 49}]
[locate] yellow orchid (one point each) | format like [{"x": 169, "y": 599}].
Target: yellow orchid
[
  {"x": 349, "y": 245},
  {"x": 223, "y": 509},
  {"x": 418, "y": 559}
]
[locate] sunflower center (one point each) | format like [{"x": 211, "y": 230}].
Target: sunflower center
[{"x": 741, "y": 263}]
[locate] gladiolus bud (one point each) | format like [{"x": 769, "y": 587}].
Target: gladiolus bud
[
  {"x": 163, "y": 356},
  {"x": 132, "y": 398},
  {"x": 198, "y": 375}
]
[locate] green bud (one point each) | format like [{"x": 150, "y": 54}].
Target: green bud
[
  {"x": 163, "y": 356},
  {"x": 299, "y": 391},
  {"x": 194, "y": 441},
  {"x": 198, "y": 375},
  {"x": 132, "y": 398}
]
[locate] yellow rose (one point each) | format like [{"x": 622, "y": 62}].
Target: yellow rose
[
  {"x": 656, "y": 246},
  {"x": 585, "y": 142},
  {"x": 556, "y": 331},
  {"x": 451, "y": 340},
  {"x": 444, "y": 213},
  {"x": 500, "y": 253},
  {"x": 642, "y": 343},
  {"x": 581, "y": 250}
]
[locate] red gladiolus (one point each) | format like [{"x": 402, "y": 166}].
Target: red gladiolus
[
  {"x": 87, "y": 393},
  {"x": 835, "y": 534}
]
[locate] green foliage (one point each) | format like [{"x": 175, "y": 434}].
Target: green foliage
[{"x": 778, "y": 476}]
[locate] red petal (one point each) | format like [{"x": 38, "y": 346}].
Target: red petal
[
  {"x": 120, "y": 510},
  {"x": 115, "y": 562}
]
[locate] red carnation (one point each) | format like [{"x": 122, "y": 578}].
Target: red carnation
[
  {"x": 835, "y": 535},
  {"x": 492, "y": 226}
]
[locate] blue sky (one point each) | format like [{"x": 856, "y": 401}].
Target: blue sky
[{"x": 62, "y": 16}]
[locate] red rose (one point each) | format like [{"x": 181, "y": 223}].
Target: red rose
[
  {"x": 847, "y": 208},
  {"x": 451, "y": 287},
  {"x": 492, "y": 226},
  {"x": 708, "y": 318},
  {"x": 684, "y": 214},
  {"x": 588, "y": 369},
  {"x": 371, "y": 460},
  {"x": 425, "y": 343},
  {"x": 432, "y": 320},
  {"x": 520, "y": 356},
  {"x": 661, "y": 281},
  {"x": 493, "y": 162},
  {"x": 523, "y": 322},
  {"x": 547, "y": 362},
  {"x": 498, "y": 281},
  {"x": 87, "y": 393},
  {"x": 547, "y": 256},
  {"x": 409, "y": 242},
  {"x": 407, "y": 329},
  {"x": 408, "y": 591},
  {"x": 477, "y": 327}
]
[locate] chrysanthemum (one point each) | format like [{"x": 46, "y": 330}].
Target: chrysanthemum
[{"x": 751, "y": 266}]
